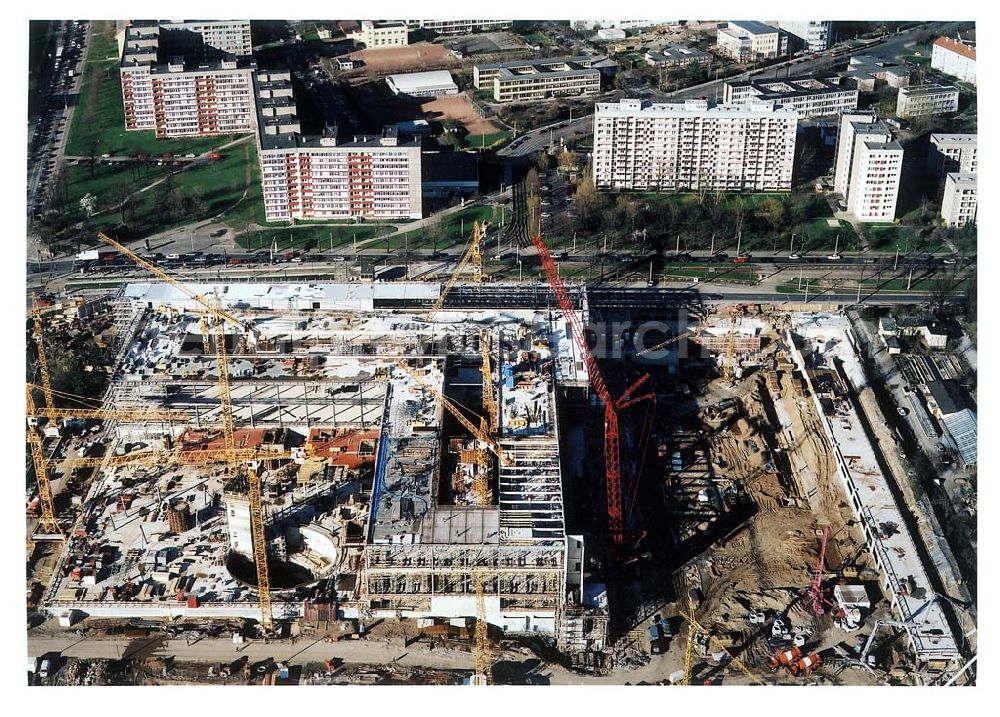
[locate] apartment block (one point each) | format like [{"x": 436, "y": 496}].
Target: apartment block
[
  {"x": 867, "y": 167},
  {"x": 955, "y": 58},
  {"x": 812, "y": 35},
  {"x": 809, "y": 96},
  {"x": 874, "y": 188},
  {"x": 951, "y": 153},
  {"x": 323, "y": 177},
  {"x": 461, "y": 27},
  {"x": 865, "y": 70},
  {"x": 692, "y": 146},
  {"x": 676, "y": 56},
  {"x": 927, "y": 100},
  {"x": 540, "y": 79},
  {"x": 382, "y": 34},
  {"x": 958, "y": 205},
  {"x": 207, "y": 91},
  {"x": 744, "y": 40}
]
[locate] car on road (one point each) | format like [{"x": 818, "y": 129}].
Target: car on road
[
  {"x": 337, "y": 258},
  {"x": 794, "y": 256},
  {"x": 950, "y": 260},
  {"x": 902, "y": 410},
  {"x": 834, "y": 257}
]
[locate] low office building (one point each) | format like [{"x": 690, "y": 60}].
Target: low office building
[
  {"x": 676, "y": 56},
  {"x": 959, "y": 203},
  {"x": 692, "y": 146},
  {"x": 322, "y": 177},
  {"x": 867, "y": 167},
  {"x": 865, "y": 70},
  {"x": 374, "y": 35},
  {"x": 614, "y": 24},
  {"x": 927, "y": 100},
  {"x": 540, "y": 79},
  {"x": 423, "y": 84},
  {"x": 745, "y": 40},
  {"x": 185, "y": 79},
  {"x": 461, "y": 27},
  {"x": 948, "y": 153},
  {"x": 955, "y": 58},
  {"x": 811, "y": 35},
  {"x": 809, "y": 96}
]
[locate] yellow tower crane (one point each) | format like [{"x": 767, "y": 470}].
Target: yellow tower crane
[
  {"x": 484, "y": 671},
  {"x": 472, "y": 253},
  {"x": 43, "y": 361},
  {"x": 693, "y": 628},
  {"x": 489, "y": 441},
  {"x": 250, "y": 333}
]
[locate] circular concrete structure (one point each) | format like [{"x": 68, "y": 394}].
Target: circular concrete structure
[{"x": 317, "y": 556}]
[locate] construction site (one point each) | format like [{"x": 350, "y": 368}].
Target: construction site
[{"x": 683, "y": 495}]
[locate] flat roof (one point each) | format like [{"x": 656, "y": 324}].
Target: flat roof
[
  {"x": 752, "y": 26},
  {"x": 944, "y": 138},
  {"x": 415, "y": 81},
  {"x": 928, "y": 90},
  {"x": 629, "y": 108}
]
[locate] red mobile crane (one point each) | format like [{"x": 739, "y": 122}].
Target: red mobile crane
[{"x": 612, "y": 459}]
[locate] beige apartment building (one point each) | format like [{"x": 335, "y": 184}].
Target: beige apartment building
[
  {"x": 206, "y": 89},
  {"x": 952, "y": 153},
  {"x": 374, "y": 35},
  {"x": 692, "y": 146},
  {"x": 745, "y": 40},
  {"x": 809, "y": 96},
  {"x": 960, "y": 200},
  {"x": 322, "y": 177},
  {"x": 539, "y": 79},
  {"x": 927, "y": 100}
]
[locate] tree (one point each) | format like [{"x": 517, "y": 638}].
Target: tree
[
  {"x": 88, "y": 204},
  {"x": 542, "y": 162},
  {"x": 568, "y": 159},
  {"x": 772, "y": 212},
  {"x": 626, "y": 210},
  {"x": 531, "y": 182}
]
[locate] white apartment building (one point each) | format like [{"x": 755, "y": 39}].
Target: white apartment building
[
  {"x": 814, "y": 35},
  {"x": 319, "y": 177},
  {"x": 691, "y": 146},
  {"x": 958, "y": 205},
  {"x": 927, "y": 100},
  {"x": 955, "y": 58},
  {"x": 874, "y": 186},
  {"x": 539, "y": 79},
  {"x": 952, "y": 153},
  {"x": 809, "y": 96},
  {"x": 461, "y": 27},
  {"x": 744, "y": 40},
  {"x": 374, "y": 35},
  {"x": 867, "y": 167},
  {"x": 188, "y": 95}
]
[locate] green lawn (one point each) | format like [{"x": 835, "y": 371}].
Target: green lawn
[
  {"x": 867, "y": 286},
  {"x": 451, "y": 230},
  {"x": 310, "y": 236},
  {"x": 99, "y": 120},
  {"x": 486, "y": 141}
]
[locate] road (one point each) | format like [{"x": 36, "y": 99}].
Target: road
[
  {"x": 355, "y": 652},
  {"x": 48, "y": 131}
]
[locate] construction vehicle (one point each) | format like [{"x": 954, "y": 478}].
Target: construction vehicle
[
  {"x": 805, "y": 665},
  {"x": 815, "y": 598},
  {"x": 785, "y": 658},
  {"x": 695, "y": 630}
]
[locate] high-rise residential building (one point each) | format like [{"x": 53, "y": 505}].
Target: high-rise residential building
[
  {"x": 324, "y": 177},
  {"x": 813, "y": 35},
  {"x": 187, "y": 79},
  {"x": 958, "y": 205},
  {"x": 692, "y": 146},
  {"x": 744, "y": 40},
  {"x": 951, "y": 153},
  {"x": 381, "y": 34},
  {"x": 867, "y": 167},
  {"x": 927, "y": 100},
  {"x": 874, "y": 186},
  {"x": 809, "y": 96},
  {"x": 955, "y": 58}
]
